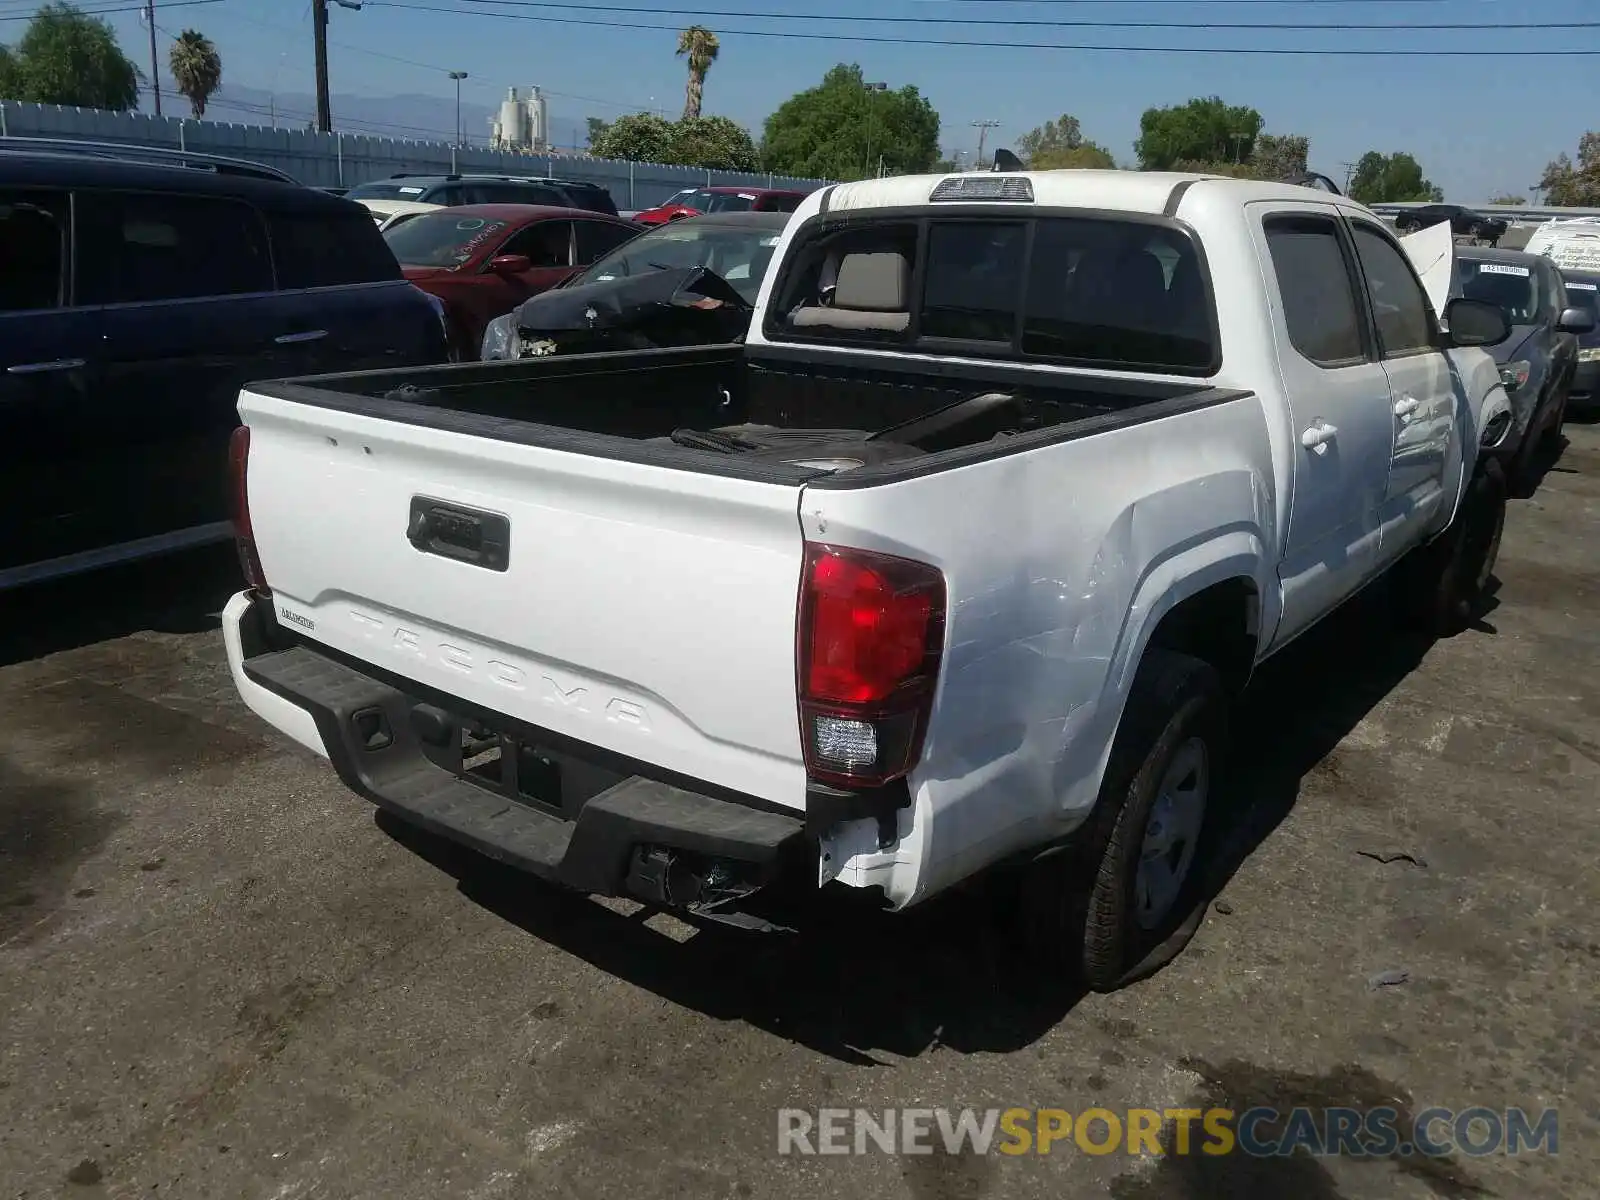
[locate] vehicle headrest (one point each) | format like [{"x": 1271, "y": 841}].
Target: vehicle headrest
[{"x": 876, "y": 282}]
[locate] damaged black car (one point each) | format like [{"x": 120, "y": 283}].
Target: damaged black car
[{"x": 688, "y": 283}]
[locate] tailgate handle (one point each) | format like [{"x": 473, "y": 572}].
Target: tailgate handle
[{"x": 468, "y": 535}]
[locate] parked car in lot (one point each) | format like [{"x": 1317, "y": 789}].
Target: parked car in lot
[
  {"x": 1464, "y": 222},
  {"x": 694, "y": 202},
  {"x": 690, "y": 283},
  {"x": 386, "y": 214},
  {"x": 482, "y": 260},
  {"x": 454, "y": 190},
  {"x": 958, "y": 562},
  {"x": 1540, "y": 352},
  {"x": 1583, "y": 289},
  {"x": 135, "y": 301}
]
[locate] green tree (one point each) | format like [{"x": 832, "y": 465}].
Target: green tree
[
  {"x": 700, "y": 46},
  {"x": 840, "y": 128},
  {"x": 1279, "y": 156},
  {"x": 196, "y": 68},
  {"x": 1202, "y": 130},
  {"x": 638, "y": 137},
  {"x": 715, "y": 143},
  {"x": 597, "y": 130},
  {"x": 1575, "y": 185},
  {"x": 1060, "y": 144},
  {"x": 1390, "y": 178},
  {"x": 67, "y": 57}
]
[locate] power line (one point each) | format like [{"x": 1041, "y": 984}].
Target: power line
[
  {"x": 1034, "y": 22},
  {"x": 100, "y": 12},
  {"x": 988, "y": 44}
]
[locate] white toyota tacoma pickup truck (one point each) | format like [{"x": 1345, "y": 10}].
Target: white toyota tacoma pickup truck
[{"x": 957, "y": 562}]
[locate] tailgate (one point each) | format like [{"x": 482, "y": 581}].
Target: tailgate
[{"x": 646, "y": 610}]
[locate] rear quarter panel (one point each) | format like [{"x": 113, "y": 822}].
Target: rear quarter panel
[{"x": 1059, "y": 562}]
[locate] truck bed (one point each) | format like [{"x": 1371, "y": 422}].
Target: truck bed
[{"x": 650, "y": 406}]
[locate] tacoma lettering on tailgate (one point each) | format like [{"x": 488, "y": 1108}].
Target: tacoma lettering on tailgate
[{"x": 427, "y": 647}]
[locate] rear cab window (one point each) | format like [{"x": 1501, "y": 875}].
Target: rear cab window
[{"x": 1114, "y": 292}]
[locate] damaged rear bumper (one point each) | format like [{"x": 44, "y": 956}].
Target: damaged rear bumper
[{"x": 516, "y": 794}]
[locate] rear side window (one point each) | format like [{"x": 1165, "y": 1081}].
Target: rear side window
[
  {"x": 1319, "y": 299},
  {"x": 319, "y": 249},
  {"x": 33, "y": 249},
  {"x": 144, "y": 246},
  {"x": 598, "y": 238},
  {"x": 1399, "y": 305}
]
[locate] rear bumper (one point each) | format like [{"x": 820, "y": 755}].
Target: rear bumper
[{"x": 577, "y": 823}]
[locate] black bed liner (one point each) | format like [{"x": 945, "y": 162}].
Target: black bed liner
[{"x": 625, "y": 405}]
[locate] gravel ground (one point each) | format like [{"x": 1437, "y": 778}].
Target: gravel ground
[{"x": 223, "y": 977}]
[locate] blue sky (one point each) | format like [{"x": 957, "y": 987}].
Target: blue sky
[{"x": 1479, "y": 125}]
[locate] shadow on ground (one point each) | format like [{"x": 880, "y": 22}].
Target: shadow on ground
[
  {"x": 856, "y": 979},
  {"x": 179, "y": 593}
]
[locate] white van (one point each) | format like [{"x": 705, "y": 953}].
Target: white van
[{"x": 1573, "y": 245}]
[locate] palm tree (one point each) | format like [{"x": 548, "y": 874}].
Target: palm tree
[
  {"x": 196, "y": 68},
  {"x": 701, "y": 45}
]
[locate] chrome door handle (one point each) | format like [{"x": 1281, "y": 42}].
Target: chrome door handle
[
  {"x": 1318, "y": 435},
  {"x": 1405, "y": 406},
  {"x": 310, "y": 335},
  {"x": 41, "y": 368}
]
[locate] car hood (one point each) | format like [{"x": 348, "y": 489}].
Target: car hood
[
  {"x": 628, "y": 302},
  {"x": 666, "y": 212}
]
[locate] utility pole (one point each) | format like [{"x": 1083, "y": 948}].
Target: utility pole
[
  {"x": 983, "y": 128},
  {"x": 319, "y": 35},
  {"x": 458, "y": 76},
  {"x": 155, "y": 68},
  {"x": 1349, "y": 172},
  {"x": 872, "y": 90}
]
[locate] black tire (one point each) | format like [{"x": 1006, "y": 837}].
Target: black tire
[
  {"x": 1522, "y": 472},
  {"x": 1551, "y": 438},
  {"x": 1080, "y": 907},
  {"x": 1441, "y": 587}
]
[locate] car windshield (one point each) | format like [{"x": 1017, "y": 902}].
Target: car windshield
[
  {"x": 703, "y": 200},
  {"x": 442, "y": 239},
  {"x": 385, "y": 191},
  {"x": 1509, "y": 285},
  {"x": 739, "y": 255}
]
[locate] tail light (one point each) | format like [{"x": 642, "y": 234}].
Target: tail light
[
  {"x": 870, "y": 641},
  {"x": 243, "y": 534}
]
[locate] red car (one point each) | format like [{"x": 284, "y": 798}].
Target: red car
[
  {"x": 692, "y": 202},
  {"x": 482, "y": 260}
]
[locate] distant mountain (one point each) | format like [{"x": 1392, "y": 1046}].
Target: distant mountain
[{"x": 417, "y": 117}]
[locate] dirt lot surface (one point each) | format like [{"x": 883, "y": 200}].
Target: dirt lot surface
[{"x": 221, "y": 977}]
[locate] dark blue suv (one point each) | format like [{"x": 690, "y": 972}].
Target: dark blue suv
[{"x": 135, "y": 301}]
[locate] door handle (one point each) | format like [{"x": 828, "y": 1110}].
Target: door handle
[
  {"x": 309, "y": 335},
  {"x": 1318, "y": 435},
  {"x": 41, "y": 368},
  {"x": 1405, "y": 406}
]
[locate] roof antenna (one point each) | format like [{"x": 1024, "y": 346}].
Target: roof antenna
[{"x": 1004, "y": 160}]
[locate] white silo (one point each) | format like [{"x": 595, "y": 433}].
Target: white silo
[
  {"x": 513, "y": 131},
  {"x": 538, "y": 110}
]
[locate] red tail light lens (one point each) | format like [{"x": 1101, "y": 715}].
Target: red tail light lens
[
  {"x": 871, "y": 637},
  {"x": 243, "y": 534}
]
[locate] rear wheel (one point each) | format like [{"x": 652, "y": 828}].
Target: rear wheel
[
  {"x": 1440, "y": 588},
  {"x": 1127, "y": 897}
]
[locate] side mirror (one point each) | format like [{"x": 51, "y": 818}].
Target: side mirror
[
  {"x": 509, "y": 264},
  {"x": 1475, "y": 323},
  {"x": 1576, "y": 320}
]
